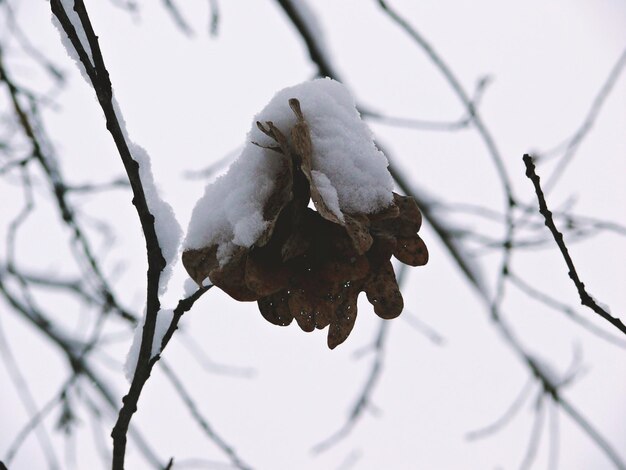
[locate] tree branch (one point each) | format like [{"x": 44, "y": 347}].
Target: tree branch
[{"x": 585, "y": 298}]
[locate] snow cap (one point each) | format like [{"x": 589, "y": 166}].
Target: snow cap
[{"x": 350, "y": 171}]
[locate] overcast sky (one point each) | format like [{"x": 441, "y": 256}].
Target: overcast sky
[{"x": 191, "y": 100}]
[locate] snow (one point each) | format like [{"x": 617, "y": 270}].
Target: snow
[
  {"x": 351, "y": 172},
  {"x": 189, "y": 287},
  {"x": 164, "y": 319},
  {"x": 68, "y": 6},
  {"x": 328, "y": 193},
  {"x": 168, "y": 230}
]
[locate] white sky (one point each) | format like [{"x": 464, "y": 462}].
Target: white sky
[{"x": 190, "y": 101}]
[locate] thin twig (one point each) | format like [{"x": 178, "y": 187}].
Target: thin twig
[{"x": 585, "y": 298}]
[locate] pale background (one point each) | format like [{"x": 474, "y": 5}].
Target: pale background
[{"x": 190, "y": 101}]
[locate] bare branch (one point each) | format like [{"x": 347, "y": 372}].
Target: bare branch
[{"x": 585, "y": 298}]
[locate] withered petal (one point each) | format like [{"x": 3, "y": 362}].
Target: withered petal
[
  {"x": 383, "y": 292},
  {"x": 275, "y": 309}
]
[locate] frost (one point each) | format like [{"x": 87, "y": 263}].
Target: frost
[
  {"x": 164, "y": 319},
  {"x": 351, "y": 172}
]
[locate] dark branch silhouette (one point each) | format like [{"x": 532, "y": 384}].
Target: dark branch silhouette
[{"x": 585, "y": 298}]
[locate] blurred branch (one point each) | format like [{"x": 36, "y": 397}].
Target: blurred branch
[
  {"x": 425, "y": 329},
  {"x": 177, "y": 17},
  {"x": 31, "y": 50},
  {"x": 200, "y": 420},
  {"x": 74, "y": 353},
  {"x": 117, "y": 183},
  {"x": 209, "y": 364},
  {"x": 462, "y": 123},
  {"x": 573, "y": 143},
  {"x": 585, "y": 298},
  {"x": 26, "y": 396},
  {"x": 58, "y": 188},
  {"x": 506, "y": 417},
  {"x": 214, "y": 21},
  {"x": 570, "y": 312},
  {"x": 463, "y": 96},
  {"x": 37, "y": 419},
  {"x": 363, "y": 402},
  {"x": 535, "y": 435}
]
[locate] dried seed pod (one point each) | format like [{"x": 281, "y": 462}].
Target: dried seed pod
[{"x": 312, "y": 265}]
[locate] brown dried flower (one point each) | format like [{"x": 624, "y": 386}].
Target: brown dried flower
[{"x": 312, "y": 265}]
